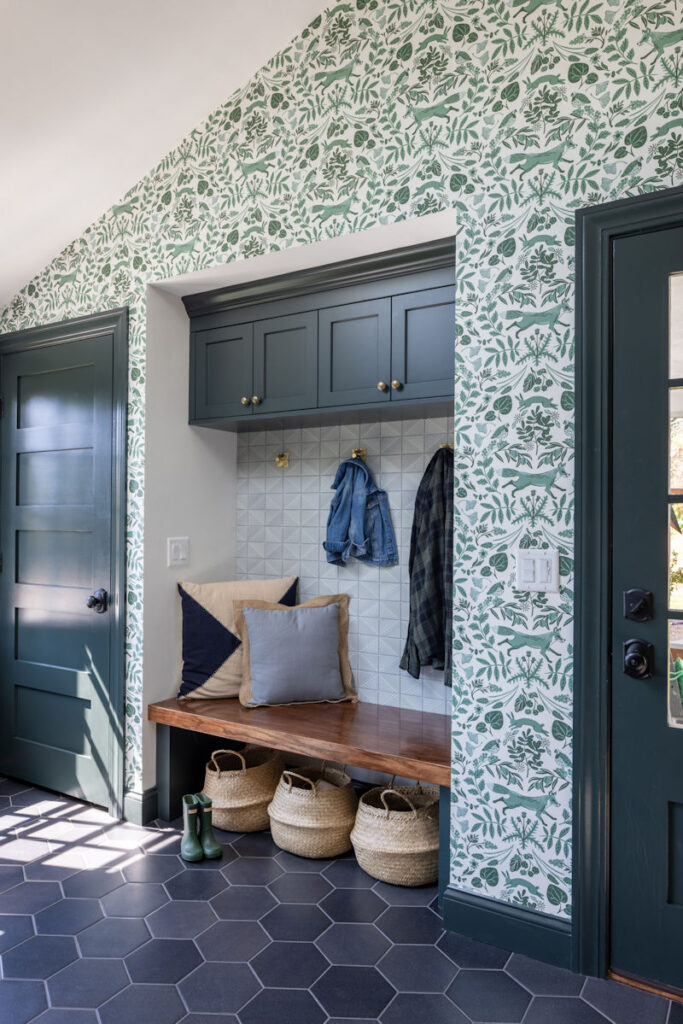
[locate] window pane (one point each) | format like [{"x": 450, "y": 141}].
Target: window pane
[
  {"x": 675, "y": 702},
  {"x": 676, "y": 325},
  {"x": 676, "y": 556},
  {"x": 676, "y": 440}
]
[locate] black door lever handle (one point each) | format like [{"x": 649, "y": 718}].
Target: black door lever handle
[{"x": 98, "y": 601}]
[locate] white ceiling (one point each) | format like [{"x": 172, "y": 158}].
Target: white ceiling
[{"x": 94, "y": 92}]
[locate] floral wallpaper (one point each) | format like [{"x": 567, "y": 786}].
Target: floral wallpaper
[{"x": 515, "y": 112}]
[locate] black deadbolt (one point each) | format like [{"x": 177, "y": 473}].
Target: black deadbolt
[
  {"x": 638, "y": 605},
  {"x": 98, "y": 601},
  {"x": 639, "y": 659}
]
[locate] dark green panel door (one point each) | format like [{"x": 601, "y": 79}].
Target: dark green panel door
[
  {"x": 61, "y": 671},
  {"x": 646, "y": 842},
  {"x": 221, "y": 380},
  {"x": 355, "y": 353},
  {"x": 285, "y": 363},
  {"x": 423, "y": 344}
]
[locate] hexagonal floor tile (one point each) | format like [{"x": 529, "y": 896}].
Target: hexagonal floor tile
[
  {"x": 87, "y": 983},
  {"x": 300, "y": 888},
  {"x": 163, "y": 961},
  {"x": 152, "y": 869},
  {"x": 153, "y": 1004},
  {"x": 210, "y": 1018},
  {"x": 283, "y": 965},
  {"x": 39, "y": 957},
  {"x": 353, "y": 944},
  {"x": 277, "y": 1006},
  {"x": 68, "y": 917},
  {"x": 92, "y": 883},
  {"x": 252, "y": 871},
  {"x": 290, "y": 862},
  {"x": 353, "y": 992},
  {"x": 216, "y": 988},
  {"x": 195, "y": 885},
  {"x": 29, "y": 897},
  {"x": 10, "y": 875},
  {"x": 113, "y": 937},
  {"x": 255, "y": 844},
  {"x": 489, "y": 996},
  {"x": 348, "y": 874},
  {"x": 417, "y": 969},
  {"x": 15, "y": 928},
  {"x": 243, "y": 903},
  {"x": 134, "y": 899},
  {"x": 624, "y": 1003},
  {"x": 295, "y": 923},
  {"x": 70, "y": 1016},
  {"x": 468, "y": 953},
  {"x": 408, "y": 1009},
  {"x": 181, "y": 920},
  {"x": 406, "y": 896},
  {"x": 359, "y": 905},
  {"x": 232, "y": 941},
  {"x": 20, "y": 1001},
  {"x": 543, "y": 979},
  {"x": 410, "y": 924},
  {"x": 563, "y": 1010}
]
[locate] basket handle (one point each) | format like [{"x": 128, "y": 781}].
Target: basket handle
[
  {"x": 402, "y": 797},
  {"x": 295, "y": 775},
  {"x": 236, "y": 753}
]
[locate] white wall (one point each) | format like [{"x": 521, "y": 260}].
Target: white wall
[{"x": 190, "y": 488}]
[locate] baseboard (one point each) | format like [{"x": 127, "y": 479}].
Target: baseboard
[
  {"x": 140, "y": 808},
  {"x": 508, "y": 927}
]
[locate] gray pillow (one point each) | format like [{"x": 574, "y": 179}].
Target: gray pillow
[{"x": 294, "y": 655}]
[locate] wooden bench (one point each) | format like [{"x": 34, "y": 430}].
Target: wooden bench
[{"x": 413, "y": 744}]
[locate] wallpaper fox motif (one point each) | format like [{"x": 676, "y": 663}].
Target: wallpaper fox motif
[{"x": 515, "y": 113}]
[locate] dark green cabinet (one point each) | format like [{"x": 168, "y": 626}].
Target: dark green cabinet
[
  {"x": 221, "y": 373},
  {"x": 285, "y": 363},
  {"x": 422, "y": 344},
  {"x": 354, "y": 353}
]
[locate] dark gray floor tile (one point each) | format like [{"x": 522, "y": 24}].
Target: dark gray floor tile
[
  {"x": 29, "y": 897},
  {"x": 181, "y": 919},
  {"x": 252, "y": 871},
  {"x": 489, "y": 996},
  {"x": 113, "y": 937},
  {"x": 353, "y": 1020},
  {"x": 348, "y": 874},
  {"x": 359, "y": 905},
  {"x": 10, "y": 787},
  {"x": 468, "y": 953},
  {"x": 195, "y": 885},
  {"x": 277, "y": 1006},
  {"x": 70, "y": 1016},
  {"x": 284, "y": 965},
  {"x": 134, "y": 899},
  {"x": 410, "y": 924},
  {"x": 676, "y": 1014},
  {"x": 290, "y": 862},
  {"x": 624, "y": 1004},
  {"x": 153, "y": 869},
  {"x": 232, "y": 941},
  {"x": 23, "y": 851},
  {"x": 256, "y": 844},
  {"x": 406, "y": 896},
  {"x": 556, "y": 1010},
  {"x": 210, "y": 1018},
  {"x": 68, "y": 917},
  {"x": 353, "y": 992},
  {"x": 293, "y": 923},
  {"x": 353, "y": 944},
  {"x": 10, "y": 875},
  {"x": 20, "y": 1001},
  {"x": 14, "y": 928},
  {"x": 87, "y": 983},
  {"x": 219, "y": 988},
  {"x": 163, "y": 961},
  {"x": 165, "y": 844},
  {"x": 144, "y": 1004},
  {"x": 92, "y": 883},
  {"x": 39, "y": 957},
  {"x": 417, "y": 969},
  {"x": 543, "y": 979},
  {"x": 300, "y": 888},
  {"x": 39, "y": 871},
  {"x": 243, "y": 903},
  {"x": 409, "y": 1009}
]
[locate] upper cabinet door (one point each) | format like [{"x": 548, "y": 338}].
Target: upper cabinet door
[
  {"x": 222, "y": 383},
  {"x": 423, "y": 344},
  {"x": 285, "y": 363},
  {"x": 355, "y": 353}
]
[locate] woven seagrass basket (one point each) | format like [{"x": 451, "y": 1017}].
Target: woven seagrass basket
[
  {"x": 396, "y": 834},
  {"x": 312, "y": 812},
  {"x": 241, "y": 785}
]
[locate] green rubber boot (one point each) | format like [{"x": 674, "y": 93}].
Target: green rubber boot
[
  {"x": 190, "y": 847},
  {"x": 210, "y": 845}
]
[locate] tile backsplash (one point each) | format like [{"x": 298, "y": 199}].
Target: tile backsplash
[{"x": 281, "y": 518}]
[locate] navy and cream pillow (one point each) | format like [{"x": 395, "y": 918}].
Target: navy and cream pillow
[{"x": 212, "y": 650}]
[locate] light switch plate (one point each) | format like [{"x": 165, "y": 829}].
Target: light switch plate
[
  {"x": 177, "y": 551},
  {"x": 538, "y": 569}
]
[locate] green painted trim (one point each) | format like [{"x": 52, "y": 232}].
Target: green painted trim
[
  {"x": 371, "y": 413},
  {"x": 596, "y": 228},
  {"x": 141, "y": 808},
  {"x": 114, "y": 322},
  {"x": 508, "y": 927}
]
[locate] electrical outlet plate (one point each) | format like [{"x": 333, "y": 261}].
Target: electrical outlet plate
[
  {"x": 177, "y": 551},
  {"x": 538, "y": 569}
]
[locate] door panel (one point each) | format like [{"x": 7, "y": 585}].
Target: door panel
[
  {"x": 223, "y": 379},
  {"x": 285, "y": 363},
  {"x": 355, "y": 353},
  {"x": 423, "y": 344},
  {"x": 647, "y": 752},
  {"x": 60, "y": 723}
]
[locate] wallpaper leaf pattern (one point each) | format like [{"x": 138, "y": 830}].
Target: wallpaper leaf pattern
[{"x": 515, "y": 112}]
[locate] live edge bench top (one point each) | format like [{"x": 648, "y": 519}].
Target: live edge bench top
[{"x": 414, "y": 744}]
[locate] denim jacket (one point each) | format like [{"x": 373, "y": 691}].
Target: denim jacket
[{"x": 359, "y": 525}]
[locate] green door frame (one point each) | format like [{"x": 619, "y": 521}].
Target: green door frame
[
  {"x": 596, "y": 228},
  {"x": 115, "y": 323}
]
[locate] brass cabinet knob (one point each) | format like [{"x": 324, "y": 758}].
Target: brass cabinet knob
[
  {"x": 396, "y": 385},
  {"x": 255, "y": 400},
  {"x": 382, "y": 385},
  {"x": 245, "y": 401}
]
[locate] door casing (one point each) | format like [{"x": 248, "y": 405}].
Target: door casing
[
  {"x": 115, "y": 323},
  {"x": 596, "y": 228}
]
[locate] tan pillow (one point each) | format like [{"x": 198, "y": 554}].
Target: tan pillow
[
  {"x": 246, "y": 693},
  {"x": 212, "y": 650}
]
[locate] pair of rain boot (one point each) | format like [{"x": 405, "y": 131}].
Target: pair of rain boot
[{"x": 198, "y": 843}]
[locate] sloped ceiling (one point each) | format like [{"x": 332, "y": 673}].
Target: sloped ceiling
[{"x": 94, "y": 92}]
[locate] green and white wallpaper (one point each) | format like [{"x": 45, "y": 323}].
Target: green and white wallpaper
[{"x": 516, "y": 112}]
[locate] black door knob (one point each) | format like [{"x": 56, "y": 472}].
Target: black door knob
[
  {"x": 639, "y": 659},
  {"x": 98, "y": 601}
]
